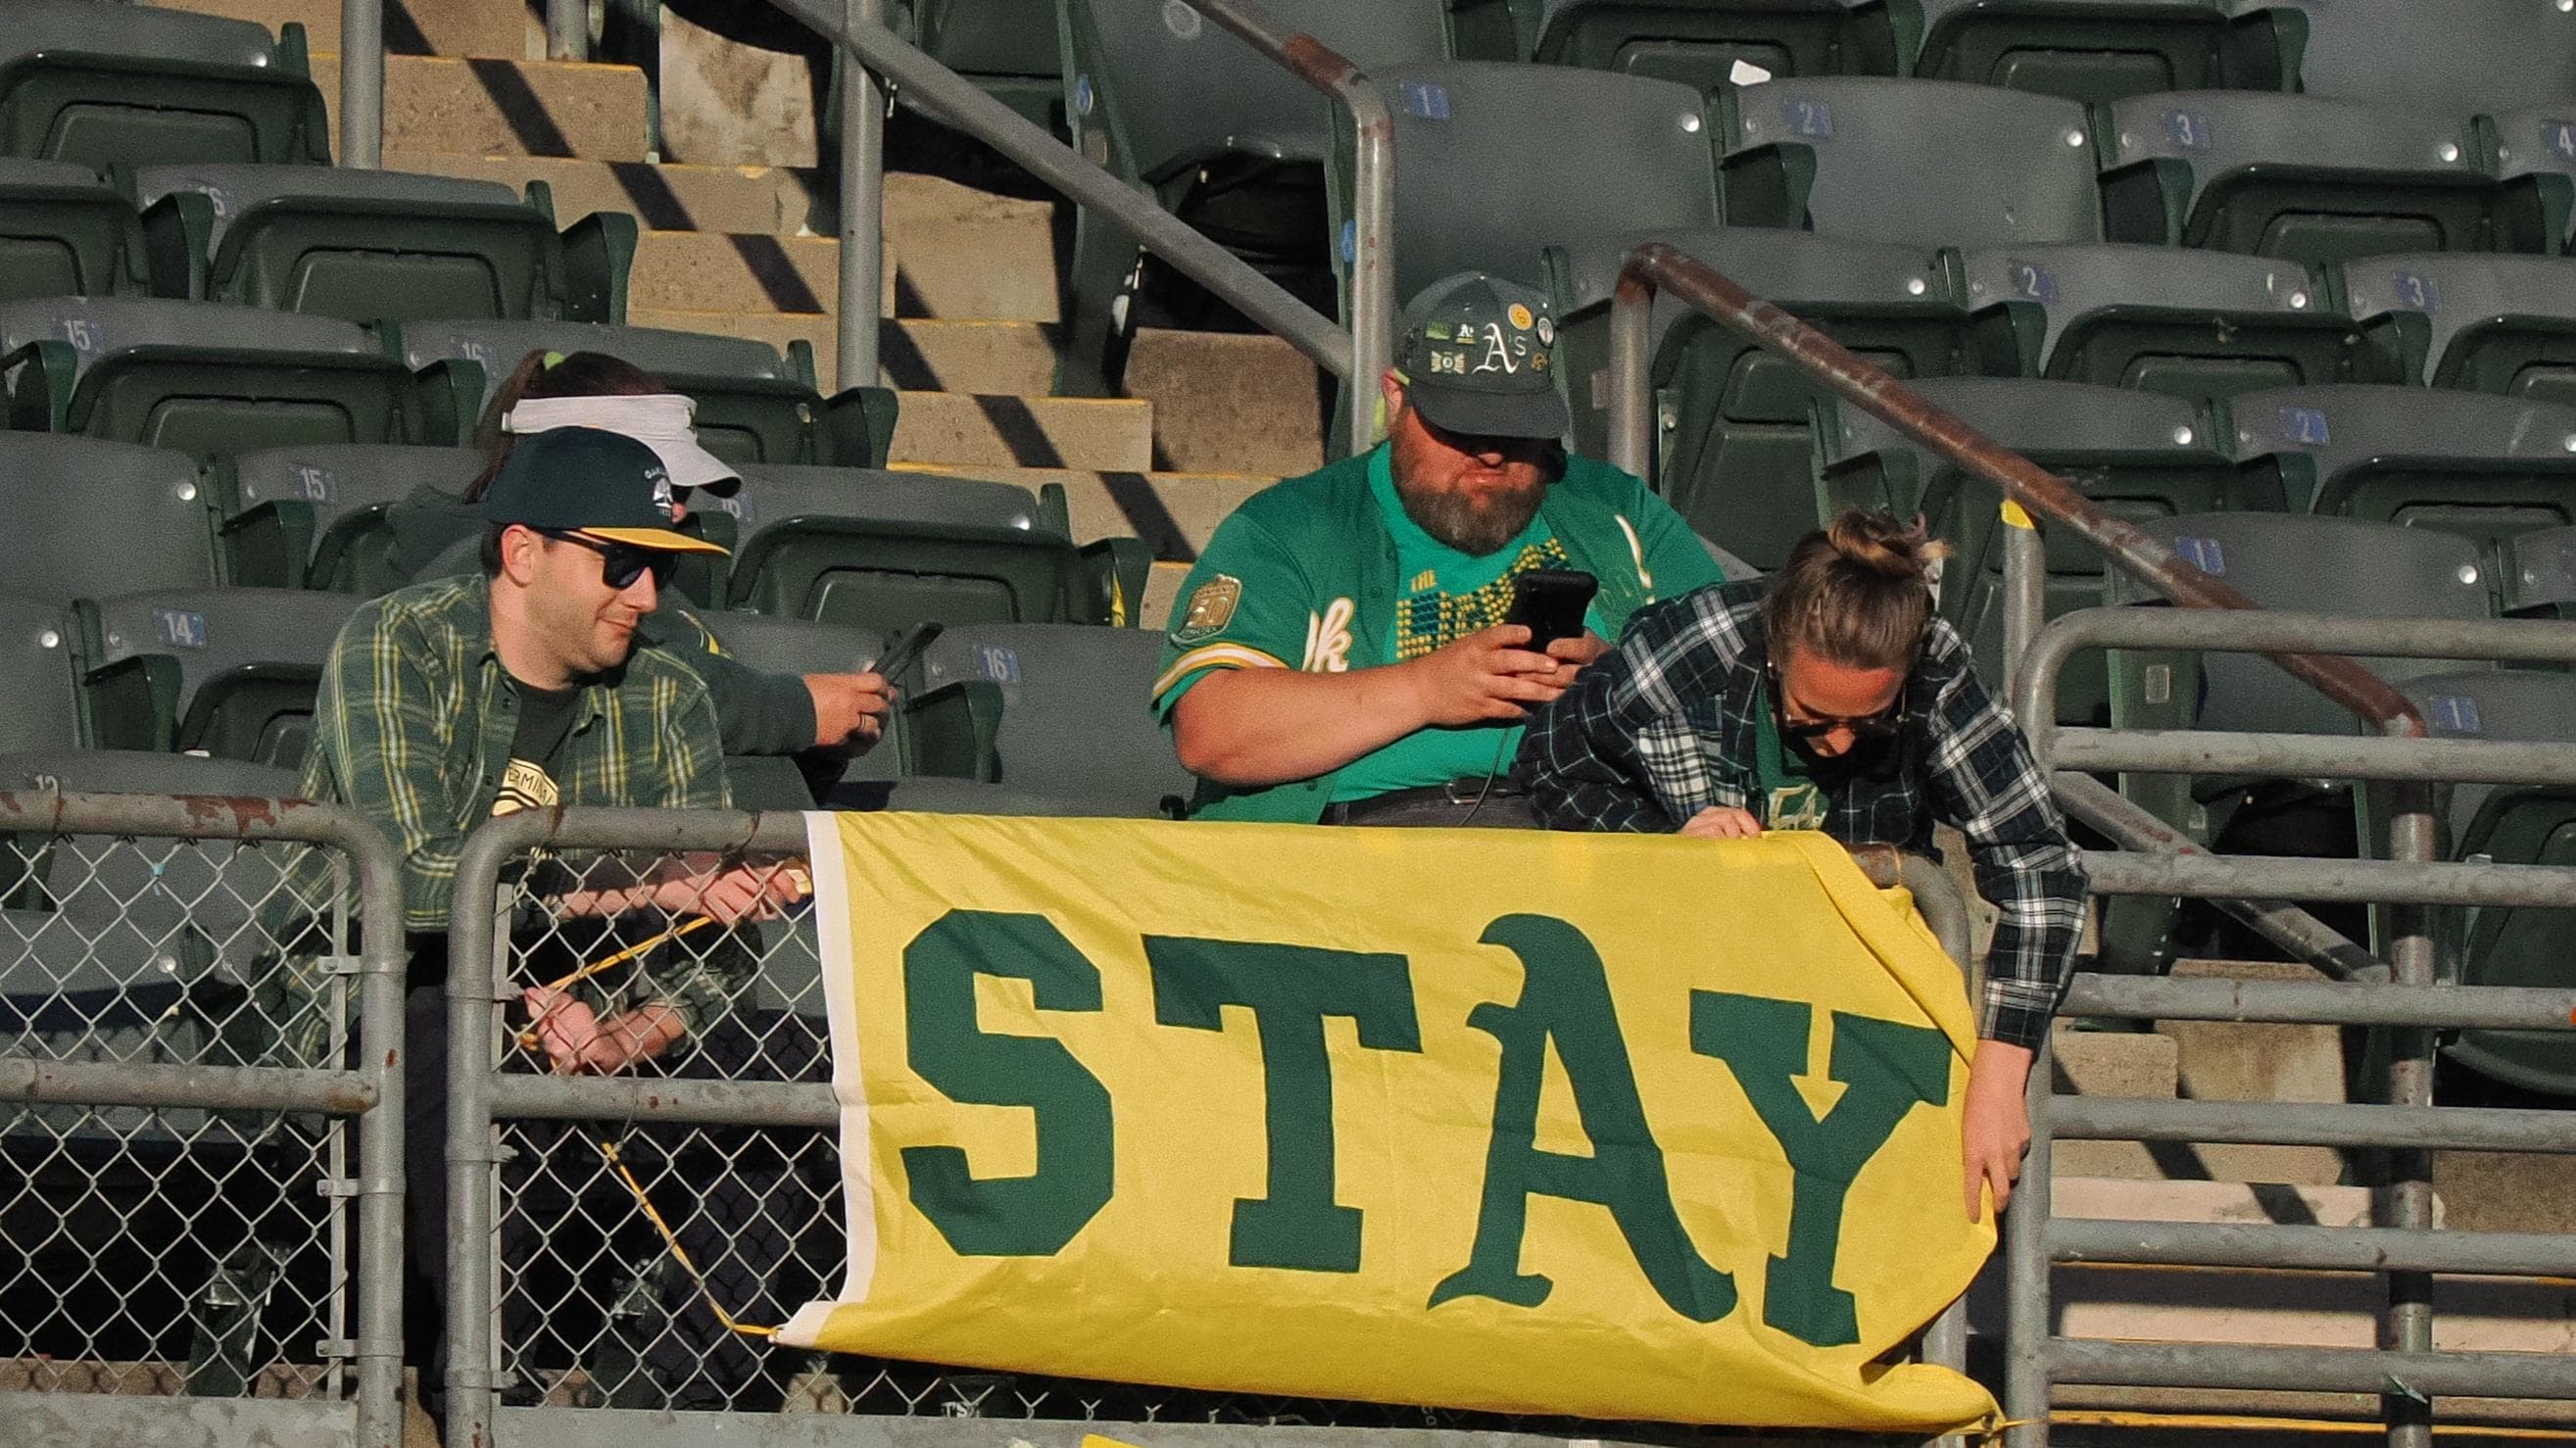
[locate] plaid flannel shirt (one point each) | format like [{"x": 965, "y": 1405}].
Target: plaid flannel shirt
[
  {"x": 413, "y": 727},
  {"x": 1665, "y": 726}
]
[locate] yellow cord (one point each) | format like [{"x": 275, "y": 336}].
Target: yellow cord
[
  {"x": 679, "y": 1253},
  {"x": 528, "y": 1037}
]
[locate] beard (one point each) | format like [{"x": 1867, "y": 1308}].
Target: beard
[{"x": 1474, "y": 526}]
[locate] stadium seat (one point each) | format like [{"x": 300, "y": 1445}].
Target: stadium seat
[
  {"x": 68, "y": 996},
  {"x": 1007, "y": 47},
  {"x": 1045, "y": 711},
  {"x": 2139, "y": 455},
  {"x": 2460, "y": 56},
  {"x": 38, "y": 710},
  {"x": 2537, "y": 574},
  {"x": 1493, "y": 174},
  {"x": 2092, "y": 51},
  {"x": 314, "y": 517},
  {"x": 2470, "y": 464},
  {"x": 197, "y": 376},
  {"x": 881, "y": 551},
  {"x": 2534, "y": 150},
  {"x": 1922, "y": 161},
  {"x": 134, "y": 85},
  {"x": 65, "y": 233},
  {"x": 1734, "y": 452},
  {"x": 2197, "y": 324},
  {"x": 228, "y": 671},
  {"x": 753, "y": 405},
  {"x": 96, "y": 518},
  {"x": 1223, "y": 137},
  {"x": 372, "y": 246},
  {"x": 1698, "y": 43},
  {"x": 800, "y": 646},
  {"x": 2502, "y": 324},
  {"x": 2305, "y": 179},
  {"x": 2511, "y": 825}
]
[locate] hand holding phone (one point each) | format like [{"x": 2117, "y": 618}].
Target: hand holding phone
[
  {"x": 908, "y": 647},
  {"x": 1549, "y": 602}
]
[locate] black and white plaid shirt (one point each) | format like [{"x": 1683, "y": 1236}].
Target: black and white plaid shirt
[{"x": 1666, "y": 726}]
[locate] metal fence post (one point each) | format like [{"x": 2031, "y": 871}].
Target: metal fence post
[
  {"x": 2027, "y": 1324},
  {"x": 2025, "y": 591},
  {"x": 362, "y": 83},
  {"x": 2408, "y": 1326},
  {"x": 380, "y": 1141},
  {"x": 567, "y": 30},
  {"x": 1632, "y": 405},
  {"x": 862, "y": 210}
]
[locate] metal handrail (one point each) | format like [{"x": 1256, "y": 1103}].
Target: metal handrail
[{"x": 362, "y": 83}]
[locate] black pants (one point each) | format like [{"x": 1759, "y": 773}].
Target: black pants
[{"x": 573, "y": 1238}]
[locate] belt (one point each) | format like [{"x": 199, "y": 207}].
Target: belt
[{"x": 1464, "y": 793}]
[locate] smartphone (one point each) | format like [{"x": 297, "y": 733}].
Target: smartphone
[
  {"x": 1550, "y": 603},
  {"x": 895, "y": 662}
]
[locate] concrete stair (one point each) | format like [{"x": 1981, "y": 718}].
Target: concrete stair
[
  {"x": 502, "y": 107},
  {"x": 988, "y": 431},
  {"x": 508, "y": 29}
]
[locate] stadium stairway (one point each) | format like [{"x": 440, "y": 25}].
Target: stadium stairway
[{"x": 973, "y": 297}]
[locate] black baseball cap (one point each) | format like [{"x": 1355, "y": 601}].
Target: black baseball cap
[
  {"x": 1472, "y": 351},
  {"x": 598, "y": 485}
]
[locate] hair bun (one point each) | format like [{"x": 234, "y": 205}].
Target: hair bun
[{"x": 1882, "y": 544}]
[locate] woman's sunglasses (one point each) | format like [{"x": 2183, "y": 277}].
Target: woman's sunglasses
[
  {"x": 1865, "y": 729},
  {"x": 620, "y": 564}
]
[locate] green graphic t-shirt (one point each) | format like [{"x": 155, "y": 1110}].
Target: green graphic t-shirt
[
  {"x": 1790, "y": 798},
  {"x": 1443, "y": 595}
]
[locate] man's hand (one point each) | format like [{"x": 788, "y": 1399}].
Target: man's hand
[
  {"x": 849, "y": 710},
  {"x": 744, "y": 892},
  {"x": 1997, "y": 1130},
  {"x": 1719, "y": 822},
  {"x": 1490, "y": 676},
  {"x": 577, "y": 1041},
  {"x": 1579, "y": 650}
]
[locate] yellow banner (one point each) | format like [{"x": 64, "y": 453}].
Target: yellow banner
[{"x": 1621, "y": 1128}]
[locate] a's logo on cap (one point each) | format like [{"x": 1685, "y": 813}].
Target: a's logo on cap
[{"x": 661, "y": 480}]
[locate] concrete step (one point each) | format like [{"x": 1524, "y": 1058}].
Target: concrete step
[
  {"x": 508, "y": 29},
  {"x": 1230, "y": 402},
  {"x": 2226, "y": 1061},
  {"x": 2508, "y": 1192},
  {"x": 666, "y": 197},
  {"x": 2132, "y": 1063},
  {"x": 971, "y": 431},
  {"x": 919, "y": 355},
  {"x": 761, "y": 272},
  {"x": 963, "y": 253},
  {"x": 1162, "y": 590},
  {"x": 505, "y": 107},
  {"x": 1175, "y": 512}
]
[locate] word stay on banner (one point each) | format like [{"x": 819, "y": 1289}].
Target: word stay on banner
[{"x": 1610, "y": 1127}]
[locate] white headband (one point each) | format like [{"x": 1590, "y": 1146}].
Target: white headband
[{"x": 660, "y": 421}]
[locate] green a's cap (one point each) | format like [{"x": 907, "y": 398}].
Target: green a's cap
[
  {"x": 601, "y": 485},
  {"x": 1474, "y": 351}
]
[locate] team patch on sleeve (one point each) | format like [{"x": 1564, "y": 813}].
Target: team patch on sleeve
[{"x": 1211, "y": 608}]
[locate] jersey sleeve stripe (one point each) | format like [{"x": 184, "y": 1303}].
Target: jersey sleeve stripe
[{"x": 1214, "y": 656}]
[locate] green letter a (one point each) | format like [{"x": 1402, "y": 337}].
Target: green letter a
[{"x": 1566, "y": 999}]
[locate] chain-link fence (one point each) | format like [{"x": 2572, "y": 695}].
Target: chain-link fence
[
  {"x": 626, "y": 1231},
  {"x": 186, "y": 1205}
]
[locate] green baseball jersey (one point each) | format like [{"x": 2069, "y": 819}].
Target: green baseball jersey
[{"x": 1324, "y": 573}]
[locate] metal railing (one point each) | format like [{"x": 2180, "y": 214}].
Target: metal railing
[
  {"x": 564, "y": 1302},
  {"x": 177, "y": 1180}
]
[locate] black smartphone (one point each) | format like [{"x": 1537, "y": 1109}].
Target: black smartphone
[
  {"x": 895, "y": 662},
  {"x": 1550, "y": 603}
]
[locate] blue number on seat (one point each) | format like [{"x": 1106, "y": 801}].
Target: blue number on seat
[
  {"x": 180, "y": 628},
  {"x": 2187, "y": 129},
  {"x": 2455, "y": 714},
  {"x": 2305, "y": 426},
  {"x": 1813, "y": 119},
  {"x": 2203, "y": 554}
]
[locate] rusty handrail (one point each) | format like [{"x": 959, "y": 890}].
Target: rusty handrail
[{"x": 1657, "y": 266}]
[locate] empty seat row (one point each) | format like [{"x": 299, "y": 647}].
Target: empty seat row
[{"x": 104, "y": 84}]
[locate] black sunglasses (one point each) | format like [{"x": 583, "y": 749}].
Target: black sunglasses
[
  {"x": 620, "y": 564},
  {"x": 1866, "y": 729}
]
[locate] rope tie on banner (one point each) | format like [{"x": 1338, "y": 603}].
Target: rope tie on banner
[{"x": 671, "y": 1241}]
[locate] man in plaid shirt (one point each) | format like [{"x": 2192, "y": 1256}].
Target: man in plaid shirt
[{"x": 1828, "y": 697}]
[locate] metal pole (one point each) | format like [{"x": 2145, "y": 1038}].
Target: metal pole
[
  {"x": 2027, "y": 1326},
  {"x": 2025, "y": 591},
  {"x": 362, "y": 83},
  {"x": 2407, "y": 1203},
  {"x": 2315, "y": 1123},
  {"x": 1658, "y": 265},
  {"x": 567, "y": 30},
  {"x": 2310, "y": 756},
  {"x": 1632, "y": 403},
  {"x": 2313, "y": 1369},
  {"x": 939, "y": 91},
  {"x": 381, "y": 962},
  {"x": 862, "y": 210},
  {"x": 1372, "y": 259},
  {"x": 2368, "y": 882},
  {"x": 2319, "y": 1249},
  {"x": 2320, "y": 1002}
]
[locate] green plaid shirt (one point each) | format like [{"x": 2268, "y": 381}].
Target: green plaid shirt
[{"x": 413, "y": 729}]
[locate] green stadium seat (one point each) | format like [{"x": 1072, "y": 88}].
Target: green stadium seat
[
  {"x": 1492, "y": 174},
  {"x": 118, "y": 998},
  {"x": 2306, "y": 179},
  {"x": 227, "y": 671},
  {"x": 754, "y": 406},
  {"x": 135, "y": 85},
  {"x": 800, "y": 646},
  {"x": 38, "y": 710},
  {"x": 198, "y": 376},
  {"x": 2481, "y": 467},
  {"x": 1049, "y": 711},
  {"x": 1734, "y": 454},
  {"x": 881, "y": 551},
  {"x": 2504, "y": 324},
  {"x": 101, "y": 518},
  {"x": 2534, "y": 150},
  {"x": 1221, "y": 136},
  {"x": 2459, "y": 56},
  {"x": 2096, "y": 51},
  {"x": 2196, "y": 324},
  {"x": 65, "y": 233},
  {"x": 2139, "y": 455},
  {"x": 372, "y": 246},
  {"x": 314, "y": 517},
  {"x": 2511, "y": 825},
  {"x": 1922, "y": 161},
  {"x": 1698, "y": 43},
  {"x": 1007, "y": 47},
  {"x": 2537, "y": 574}
]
